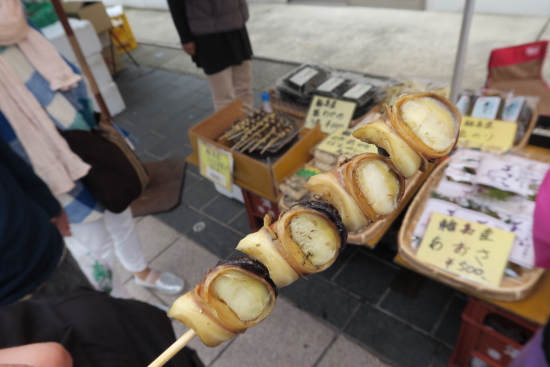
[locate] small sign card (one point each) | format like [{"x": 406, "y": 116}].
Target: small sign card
[
  {"x": 470, "y": 250},
  {"x": 486, "y": 134},
  {"x": 330, "y": 113},
  {"x": 341, "y": 141},
  {"x": 216, "y": 164}
]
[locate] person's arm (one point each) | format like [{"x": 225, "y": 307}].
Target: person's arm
[
  {"x": 179, "y": 15},
  {"x": 29, "y": 182},
  {"x": 36, "y": 355}
]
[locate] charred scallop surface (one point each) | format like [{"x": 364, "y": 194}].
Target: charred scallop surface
[
  {"x": 309, "y": 238},
  {"x": 251, "y": 265},
  {"x": 331, "y": 213}
]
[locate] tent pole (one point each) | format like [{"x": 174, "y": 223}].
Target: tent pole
[{"x": 462, "y": 47}]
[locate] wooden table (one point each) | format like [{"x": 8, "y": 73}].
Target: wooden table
[{"x": 535, "y": 308}]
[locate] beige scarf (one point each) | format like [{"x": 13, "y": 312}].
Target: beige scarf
[
  {"x": 40, "y": 52},
  {"x": 50, "y": 155}
]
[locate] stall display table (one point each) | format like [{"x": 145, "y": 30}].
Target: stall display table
[{"x": 477, "y": 339}]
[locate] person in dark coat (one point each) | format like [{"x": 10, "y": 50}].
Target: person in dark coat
[
  {"x": 214, "y": 34},
  {"x": 95, "y": 329},
  {"x": 31, "y": 227}
]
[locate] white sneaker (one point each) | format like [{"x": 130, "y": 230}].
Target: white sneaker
[{"x": 165, "y": 282}]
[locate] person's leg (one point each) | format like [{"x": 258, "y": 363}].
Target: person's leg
[
  {"x": 221, "y": 85},
  {"x": 129, "y": 251},
  {"x": 127, "y": 244},
  {"x": 242, "y": 84}
]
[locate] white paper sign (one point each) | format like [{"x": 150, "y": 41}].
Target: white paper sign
[
  {"x": 453, "y": 190},
  {"x": 433, "y": 206},
  {"x": 303, "y": 76},
  {"x": 330, "y": 84},
  {"x": 503, "y": 175},
  {"x": 523, "y": 251},
  {"x": 357, "y": 91},
  {"x": 486, "y": 107}
]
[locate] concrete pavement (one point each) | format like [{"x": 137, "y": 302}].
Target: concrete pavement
[{"x": 388, "y": 42}]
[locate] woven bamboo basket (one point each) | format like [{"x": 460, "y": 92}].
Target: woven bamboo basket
[
  {"x": 523, "y": 142},
  {"x": 510, "y": 289},
  {"x": 364, "y": 236}
]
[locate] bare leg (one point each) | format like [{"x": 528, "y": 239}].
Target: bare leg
[
  {"x": 221, "y": 85},
  {"x": 242, "y": 83}
]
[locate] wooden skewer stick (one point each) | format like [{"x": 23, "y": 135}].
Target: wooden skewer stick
[
  {"x": 173, "y": 349},
  {"x": 245, "y": 141},
  {"x": 242, "y": 149},
  {"x": 262, "y": 140},
  {"x": 270, "y": 143}
]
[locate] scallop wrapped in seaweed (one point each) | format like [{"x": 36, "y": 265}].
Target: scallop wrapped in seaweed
[
  {"x": 364, "y": 189},
  {"x": 236, "y": 294},
  {"x": 427, "y": 122},
  {"x": 306, "y": 239},
  {"x": 383, "y": 135}
]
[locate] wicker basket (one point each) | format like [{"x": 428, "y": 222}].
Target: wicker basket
[
  {"x": 370, "y": 235},
  {"x": 510, "y": 289},
  {"x": 523, "y": 142}
]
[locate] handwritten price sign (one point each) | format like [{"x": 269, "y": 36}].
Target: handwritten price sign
[
  {"x": 330, "y": 113},
  {"x": 216, "y": 164},
  {"x": 341, "y": 141},
  {"x": 470, "y": 250},
  {"x": 486, "y": 134}
]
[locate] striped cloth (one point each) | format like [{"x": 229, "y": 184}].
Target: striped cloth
[{"x": 69, "y": 110}]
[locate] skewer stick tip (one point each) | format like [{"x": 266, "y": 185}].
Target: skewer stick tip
[{"x": 173, "y": 349}]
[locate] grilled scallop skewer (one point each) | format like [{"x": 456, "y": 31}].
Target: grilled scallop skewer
[
  {"x": 239, "y": 293},
  {"x": 428, "y": 122},
  {"x": 381, "y": 133},
  {"x": 364, "y": 189},
  {"x": 236, "y": 294},
  {"x": 306, "y": 239}
]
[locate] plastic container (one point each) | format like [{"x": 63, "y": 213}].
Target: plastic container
[
  {"x": 266, "y": 103},
  {"x": 489, "y": 335}
]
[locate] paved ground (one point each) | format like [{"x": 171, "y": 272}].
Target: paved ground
[
  {"x": 390, "y": 42},
  {"x": 345, "y": 316}
]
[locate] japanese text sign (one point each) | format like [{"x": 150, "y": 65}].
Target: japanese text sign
[
  {"x": 485, "y": 134},
  {"x": 341, "y": 141},
  {"x": 216, "y": 164},
  {"x": 471, "y": 250},
  {"x": 330, "y": 113}
]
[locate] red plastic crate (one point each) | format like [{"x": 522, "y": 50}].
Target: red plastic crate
[
  {"x": 257, "y": 207},
  {"x": 478, "y": 339}
]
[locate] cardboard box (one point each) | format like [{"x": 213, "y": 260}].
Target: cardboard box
[
  {"x": 99, "y": 70},
  {"x": 113, "y": 99},
  {"x": 249, "y": 173},
  {"x": 112, "y": 59},
  {"x": 85, "y": 35},
  {"x": 94, "y": 11}
]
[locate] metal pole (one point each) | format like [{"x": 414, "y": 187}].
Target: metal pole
[{"x": 462, "y": 46}]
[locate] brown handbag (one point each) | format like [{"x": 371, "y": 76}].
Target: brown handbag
[{"x": 117, "y": 177}]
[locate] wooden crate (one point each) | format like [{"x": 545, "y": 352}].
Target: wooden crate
[{"x": 249, "y": 173}]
